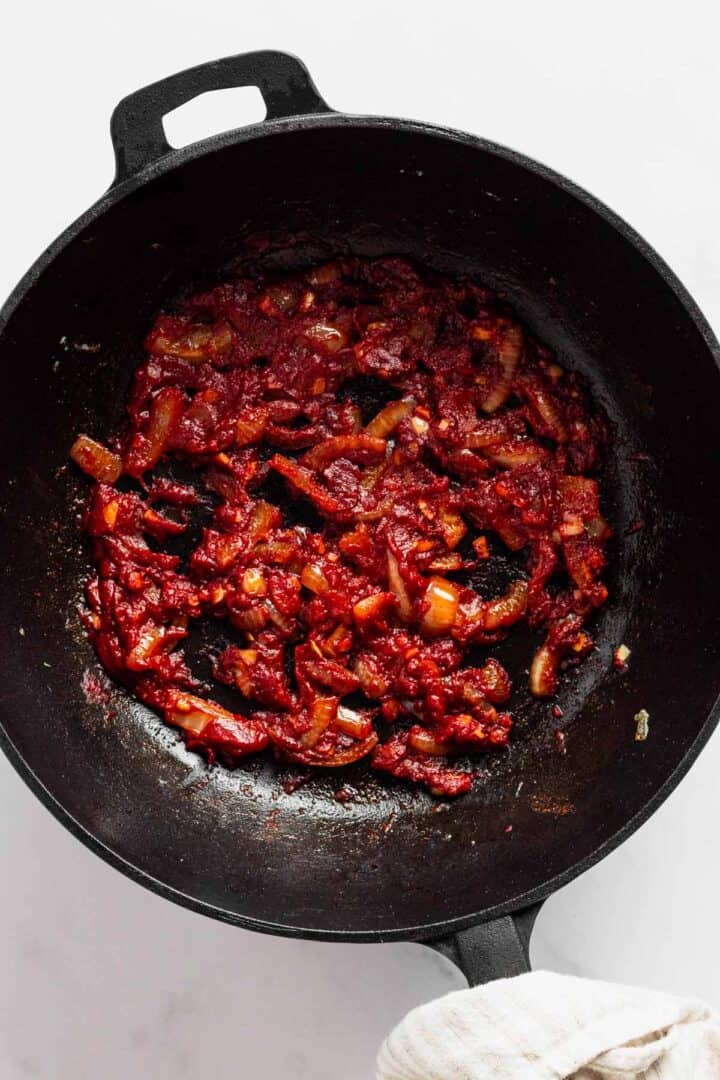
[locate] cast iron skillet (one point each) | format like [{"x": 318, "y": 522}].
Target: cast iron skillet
[{"x": 394, "y": 863}]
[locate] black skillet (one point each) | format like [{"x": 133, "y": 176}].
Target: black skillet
[{"x": 394, "y": 863}]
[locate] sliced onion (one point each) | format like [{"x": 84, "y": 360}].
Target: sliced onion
[
  {"x": 376, "y": 513},
  {"x": 496, "y": 682},
  {"x": 196, "y": 343},
  {"x": 571, "y": 525},
  {"x": 466, "y": 730},
  {"x": 472, "y": 694},
  {"x": 241, "y": 676},
  {"x": 397, "y": 586},
  {"x": 314, "y": 579},
  {"x": 452, "y": 525},
  {"x": 304, "y": 482},
  {"x": 543, "y": 672},
  {"x": 227, "y": 550},
  {"x": 517, "y": 452},
  {"x": 355, "y": 447},
  {"x": 443, "y": 563},
  {"x": 547, "y": 409},
  {"x": 357, "y": 749},
  {"x": 509, "y": 354},
  {"x": 193, "y": 713},
  {"x": 147, "y": 447},
  {"x": 353, "y": 723},
  {"x": 251, "y": 621},
  {"x": 254, "y": 583},
  {"x": 264, "y": 518},
  {"x": 355, "y": 542},
  {"x": 149, "y": 643},
  {"x": 507, "y": 609},
  {"x": 422, "y": 740},
  {"x": 248, "y": 656},
  {"x": 495, "y": 429},
  {"x": 475, "y": 441},
  {"x": 372, "y": 681},
  {"x": 327, "y": 337},
  {"x": 280, "y": 552},
  {"x": 355, "y": 417},
  {"x": 440, "y": 605},
  {"x": 276, "y": 616},
  {"x": 324, "y": 711},
  {"x": 340, "y": 641},
  {"x": 250, "y": 429},
  {"x": 372, "y": 608},
  {"x": 478, "y": 440},
  {"x": 328, "y": 673},
  {"x": 371, "y": 475},
  {"x": 389, "y": 417},
  {"x": 96, "y": 460}
]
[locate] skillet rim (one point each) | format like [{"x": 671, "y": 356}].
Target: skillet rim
[{"x": 175, "y": 160}]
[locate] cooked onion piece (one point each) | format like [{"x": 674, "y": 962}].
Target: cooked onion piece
[
  {"x": 509, "y": 353},
  {"x": 388, "y": 418},
  {"x": 397, "y": 586},
  {"x": 544, "y": 672},
  {"x": 96, "y": 460},
  {"x": 440, "y": 605}
]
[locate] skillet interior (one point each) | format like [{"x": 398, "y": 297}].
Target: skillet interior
[{"x": 393, "y": 862}]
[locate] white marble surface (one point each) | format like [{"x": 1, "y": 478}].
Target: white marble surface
[{"x": 99, "y": 979}]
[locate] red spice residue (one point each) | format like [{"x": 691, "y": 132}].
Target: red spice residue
[
  {"x": 546, "y": 804},
  {"x": 290, "y": 784},
  {"x": 96, "y": 688}
]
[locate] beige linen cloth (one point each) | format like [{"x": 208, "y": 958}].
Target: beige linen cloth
[{"x": 543, "y": 1026}]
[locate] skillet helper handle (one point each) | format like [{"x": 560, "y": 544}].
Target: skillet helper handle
[
  {"x": 136, "y": 126},
  {"x": 491, "y": 950}
]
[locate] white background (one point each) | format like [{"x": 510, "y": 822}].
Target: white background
[{"x": 100, "y": 980}]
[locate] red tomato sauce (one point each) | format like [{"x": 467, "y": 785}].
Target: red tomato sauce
[{"x": 348, "y": 637}]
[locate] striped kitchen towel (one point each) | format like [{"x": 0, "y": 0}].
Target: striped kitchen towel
[{"x": 543, "y": 1026}]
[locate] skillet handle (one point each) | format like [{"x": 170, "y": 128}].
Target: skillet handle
[
  {"x": 136, "y": 126},
  {"x": 491, "y": 950}
]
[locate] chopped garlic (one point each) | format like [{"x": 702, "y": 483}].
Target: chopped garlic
[{"x": 642, "y": 725}]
